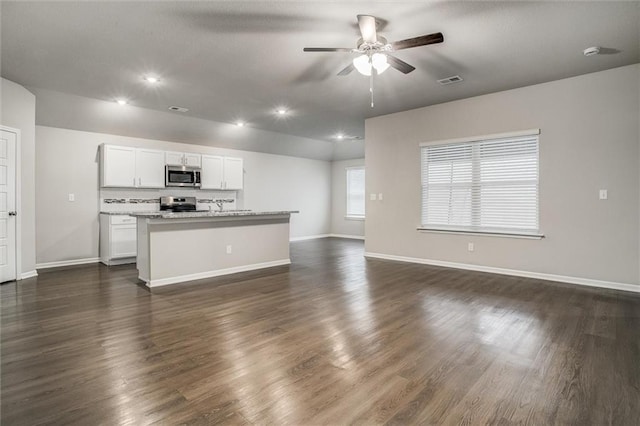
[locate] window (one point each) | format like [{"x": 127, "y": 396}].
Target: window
[
  {"x": 355, "y": 192},
  {"x": 487, "y": 185}
]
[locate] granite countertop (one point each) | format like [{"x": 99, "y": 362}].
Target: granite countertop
[
  {"x": 213, "y": 213},
  {"x": 129, "y": 213}
]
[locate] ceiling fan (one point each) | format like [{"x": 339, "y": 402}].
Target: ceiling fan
[
  {"x": 371, "y": 44},
  {"x": 373, "y": 51}
]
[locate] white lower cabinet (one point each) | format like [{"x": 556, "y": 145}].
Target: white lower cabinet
[{"x": 117, "y": 239}]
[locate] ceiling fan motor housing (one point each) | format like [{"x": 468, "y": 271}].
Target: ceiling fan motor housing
[{"x": 379, "y": 45}]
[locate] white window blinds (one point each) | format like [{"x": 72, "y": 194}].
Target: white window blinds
[
  {"x": 355, "y": 191},
  {"x": 486, "y": 185}
]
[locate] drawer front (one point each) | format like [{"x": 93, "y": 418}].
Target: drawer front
[{"x": 122, "y": 220}]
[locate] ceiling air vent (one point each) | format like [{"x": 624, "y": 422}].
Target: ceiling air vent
[
  {"x": 178, "y": 109},
  {"x": 449, "y": 80}
]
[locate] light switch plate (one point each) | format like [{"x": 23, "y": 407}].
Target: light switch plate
[
  {"x": 372, "y": 197},
  {"x": 380, "y": 196},
  {"x": 72, "y": 197},
  {"x": 604, "y": 194}
]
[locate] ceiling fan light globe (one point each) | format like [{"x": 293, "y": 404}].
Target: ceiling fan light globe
[
  {"x": 379, "y": 62},
  {"x": 362, "y": 64}
]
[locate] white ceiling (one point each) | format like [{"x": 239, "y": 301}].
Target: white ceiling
[{"x": 230, "y": 60}]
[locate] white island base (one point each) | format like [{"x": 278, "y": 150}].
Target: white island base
[{"x": 178, "y": 247}]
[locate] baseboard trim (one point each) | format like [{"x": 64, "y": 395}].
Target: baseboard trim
[
  {"x": 67, "y": 263},
  {"x": 350, "y": 237},
  {"x": 315, "y": 237},
  {"x": 29, "y": 274},
  {"x": 309, "y": 237},
  {"x": 527, "y": 274},
  {"x": 115, "y": 262},
  {"x": 216, "y": 273}
]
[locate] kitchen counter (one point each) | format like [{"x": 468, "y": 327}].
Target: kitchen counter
[
  {"x": 178, "y": 247},
  {"x": 125, "y": 213},
  {"x": 208, "y": 214}
]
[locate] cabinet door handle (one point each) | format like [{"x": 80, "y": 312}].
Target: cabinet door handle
[
  {"x": 139, "y": 181},
  {"x": 134, "y": 181}
]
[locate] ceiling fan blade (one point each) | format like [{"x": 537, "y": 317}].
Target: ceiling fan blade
[
  {"x": 400, "y": 65},
  {"x": 347, "y": 70},
  {"x": 367, "y": 24},
  {"x": 418, "y": 41},
  {"x": 326, "y": 49}
]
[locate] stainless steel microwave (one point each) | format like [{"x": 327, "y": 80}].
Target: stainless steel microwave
[{"x": 182, "y": 176}]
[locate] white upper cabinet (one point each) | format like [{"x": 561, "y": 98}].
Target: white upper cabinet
[
  {"x": 233, "y": 173},
  {"x": 212, "y": 174},
  {"x": 149, "y": 168},
  {"x": 126, "y": 167},
  {"x": 192, "y": 160},
  {"x": 221, "y": 172},
  {"x": 118, "y": 166},
  {"x": 173, "y": 158}
]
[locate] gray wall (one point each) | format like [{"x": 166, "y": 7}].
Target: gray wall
[
  {"x": 18, "y": 110},
  {"x": 68, "y": 163},
  {"x": 339, "y": 224},
  {"x": 589, "y": 141}
]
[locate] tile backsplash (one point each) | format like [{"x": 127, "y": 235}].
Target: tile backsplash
[{"x": 143, "y": 200}]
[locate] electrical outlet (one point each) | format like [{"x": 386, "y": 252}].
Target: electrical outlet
[
  {"x": 229, "y": 250},
  {"x": 470, "y": 247},
  {"x": 380, "y": 196},
  {"x": 604, "y": 194},
  {"x": 72, "y": 197}
]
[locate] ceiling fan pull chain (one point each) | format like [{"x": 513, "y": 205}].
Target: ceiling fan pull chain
[{"x": 371, "y": 86}]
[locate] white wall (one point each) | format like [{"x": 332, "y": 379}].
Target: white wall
[
  {"x": 589, "y": 141},
  {"x": 18, "y": 110},
  {"x": 340, "y": 225},
  {"x": 68, "y": 163}
]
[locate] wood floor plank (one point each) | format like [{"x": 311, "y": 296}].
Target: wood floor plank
[{"x": 333, "y": 339}]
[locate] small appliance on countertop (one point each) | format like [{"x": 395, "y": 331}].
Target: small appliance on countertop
[{"x": 178, "y": 204}]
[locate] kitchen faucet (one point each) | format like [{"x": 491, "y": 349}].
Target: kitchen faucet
[{"x": 220, "y": 204}]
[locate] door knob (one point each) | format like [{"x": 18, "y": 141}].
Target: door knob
[{"x": 13, "y": 213}]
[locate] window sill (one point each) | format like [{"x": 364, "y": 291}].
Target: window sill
[
  {"x": 354, "y": 217},
  {"x": 483, "y": 233}
]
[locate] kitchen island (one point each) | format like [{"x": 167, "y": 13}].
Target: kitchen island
[{"x": 178, "y": 247}]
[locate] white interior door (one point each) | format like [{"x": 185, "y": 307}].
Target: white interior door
[{"x": 7, "y": 206}]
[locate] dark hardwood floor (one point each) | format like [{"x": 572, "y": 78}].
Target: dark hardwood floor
[{"x": 332, "y": 339}]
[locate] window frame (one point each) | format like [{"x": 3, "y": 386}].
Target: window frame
[
  {"x": 474, "y": 230},
  {"x": 348, "y": 215}
]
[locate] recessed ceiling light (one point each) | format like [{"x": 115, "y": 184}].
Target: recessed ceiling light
[
  {"x": 152, "y": 79},
  {"x": 281, "y": 111},
  {"x": 121, "y": 101},
  {"x": 343, "y": 137},
  {"x": 240, "y": 123}
]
